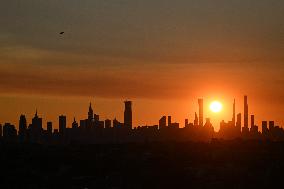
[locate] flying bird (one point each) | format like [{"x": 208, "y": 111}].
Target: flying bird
[{"x": 61, "y": 33}]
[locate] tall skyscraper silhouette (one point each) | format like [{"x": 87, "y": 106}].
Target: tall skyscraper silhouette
[
  {"x": 200, "y": 103},
  {"x": 251, "y": 121},
  {"x": 90, "y": 113},
  {"x": 49, "y": 128},
  {"x": 169, "y": 121},
  {"x": 22, "y": 127},
  {"x": 36, "y": 128},
  {"x": 128, "y": 114},
  {"x": 245, "y": 112},
  {"x": 234, "y": 113},
  {"x": 264, "y": 128},
  {"x": 195, "y": 119},
  {"x": 62, "y": 125},
  {"x": 163, "y": 122},
  {"x": 239, "y": 122}
]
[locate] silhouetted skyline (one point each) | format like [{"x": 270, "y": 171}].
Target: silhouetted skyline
[{"x": 92, "y": 129}]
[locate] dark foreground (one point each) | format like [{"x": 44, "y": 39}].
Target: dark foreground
[{"x": 219, "y": 164}]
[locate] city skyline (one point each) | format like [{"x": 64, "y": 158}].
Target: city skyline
[
  {"x": 94, "y": 129},
  {"x": 247, "y": 121}
]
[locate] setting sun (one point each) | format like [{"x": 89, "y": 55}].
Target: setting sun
[{"x": 215, "y": 106}]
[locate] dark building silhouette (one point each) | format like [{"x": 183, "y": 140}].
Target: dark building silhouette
[
  {"x": 163, "y": 122},
  {"x": 49, "y": 128},
  {"x": 169, "y": 121},
  {"x": 35, "y": 129},
  {"x": 62, "y": 125},
  {"x": 264, "y": 128},
  {"x": 239, "y": 122},
  {"x": 252, "y": 121},
  {"x": 9, "y": 132},
  {"x": 234, "y": 113},
  {"x": 271, "y": 126},
  {"x": 75, "y": 124},
  {"x": 186, "y": 123},
  {"x": 107, "y": 123},
  {"x": 128, "y": 114},
  {"x": 90, "y": 113},
  {"x": 246, "y": 112},
  {"x": 200, "y": 103},
  {"x": 22, "y": 128},
  {"x": 196, "y": 123}
]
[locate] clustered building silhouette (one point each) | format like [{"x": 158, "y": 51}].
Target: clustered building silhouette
[{"x": 94, "y": 130}]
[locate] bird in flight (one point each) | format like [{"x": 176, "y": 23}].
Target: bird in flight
[{"x": 61, "y": 33}]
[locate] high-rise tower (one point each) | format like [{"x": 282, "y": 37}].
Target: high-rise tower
[
  {"x": 90, "y": 113},
  {"x": 62, "y": 125},
  {"x": 234, "y": 113},
  {"x": 200, "y": 103},
  {"x": 128, "y": 114},
  {"x": 245, "y": 112}
]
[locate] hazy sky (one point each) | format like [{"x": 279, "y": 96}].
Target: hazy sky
[{"x": 161, "y": 54}]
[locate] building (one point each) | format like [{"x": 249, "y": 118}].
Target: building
[
  {"x": 22, "y": 128},
  {"x": 239, "y": 122},
  {"x": 264, "y": 128},
  {"x": 245, "y": 112},
  {"x": 271, "y": 126},
  {"x": 62, "y": 125},
  {"x": 128, "y": 114},
  {"x": 35, "y": 128},
  {"x": 90, "y": 113},
  {"x": 163, "y": 122},
  {"x": 234, "y": 113},
  {"x": 49, "y": 128},
  {"x": 169, "y": 121},
  {"x": 195, "y": 123},
  {"x": 251, "y": 121},
  {"x": 200, "y": 103},
  {"x": 75, "y": 124},
  {"x": 107, "y": 123},
  {"x": 9, "y": 132}
]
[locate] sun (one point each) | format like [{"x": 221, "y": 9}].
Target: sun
[{"x": 216, "y": 106}]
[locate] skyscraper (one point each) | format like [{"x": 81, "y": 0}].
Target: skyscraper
[
  {"x": 62, "y": 125},
  {"x": 49, "y": 128},
  {"x": 36, "y": 128},
  {"x": 90, "y": 113},
  {"x": 128, "y": 114},
  {"x": 22, "y": 127},
  {"x": 271, "y": 126},
  {"x": 163, "y": 122},
  {"x": 75, "y": 124},
  {"x": 264, "y": 128},
  {"x": 200, "y": 103},
  {"x": 252, "y": 121},
  {"x": 245, "y": 112},
  {"x": 239, "y": 122},
  {"x": 195, "y": 119},
  {"x": 234, "y": 113},
  {"x": 169, "y": 121}
]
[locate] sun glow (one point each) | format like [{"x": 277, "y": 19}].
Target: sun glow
[{"x": 215, "y": 106}]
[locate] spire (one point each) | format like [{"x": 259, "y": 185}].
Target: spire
[
  {"x": 36, "y": 113},
  {"x": 90, "y": 113}
]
